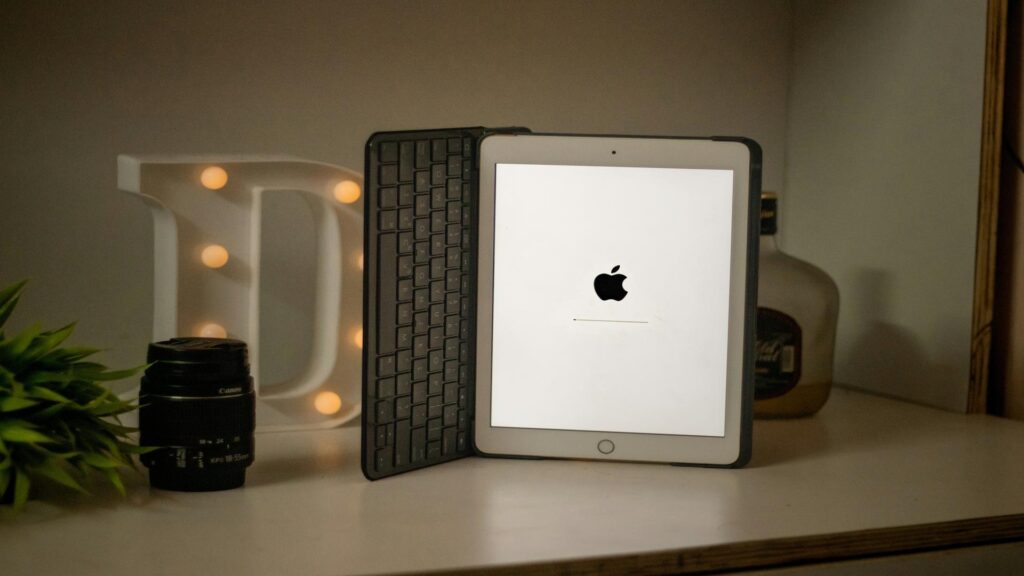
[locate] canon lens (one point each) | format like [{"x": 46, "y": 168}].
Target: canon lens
[{"x": 197, "y": 406}]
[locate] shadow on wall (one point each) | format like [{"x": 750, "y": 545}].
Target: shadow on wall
[{"x": 886, "y": 357}]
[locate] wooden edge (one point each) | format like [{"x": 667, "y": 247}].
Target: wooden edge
[
  {"x": 988, "y": 206},
  {"x": 782, "y": 552}
]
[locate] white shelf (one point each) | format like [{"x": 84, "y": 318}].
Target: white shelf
[{"x": 913, "y": 478}]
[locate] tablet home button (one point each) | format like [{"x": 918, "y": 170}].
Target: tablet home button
[{"x": 606, "y": 447}]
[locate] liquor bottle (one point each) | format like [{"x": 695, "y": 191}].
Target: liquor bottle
[{"x": 797, "y": 309}]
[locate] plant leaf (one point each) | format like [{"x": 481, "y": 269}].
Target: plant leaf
[
  {"x": 11, "y": 350},
  {"x": 115, "y": 479},
  {"x": 19, "y": 431},
  {"x": 9, "y": 300},
  {"x": 616, "y": 269},
  {"x": 99, "y": 461},
  {"x": 54, "y": 472},
  {"x": 13, "y": 403},
  {"x": 46, "y": 394},
  {"x": 21, "y": 486}
]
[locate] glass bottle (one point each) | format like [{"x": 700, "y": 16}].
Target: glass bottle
[{"x": 797, "y": 309}]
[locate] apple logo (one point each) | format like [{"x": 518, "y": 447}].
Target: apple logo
[{"x": 609, "y": 287}]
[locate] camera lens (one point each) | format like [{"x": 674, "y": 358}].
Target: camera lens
[{"x": 197, "y": 406}]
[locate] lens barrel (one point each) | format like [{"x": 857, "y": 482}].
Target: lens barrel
[{"x": 198, "y": 407}]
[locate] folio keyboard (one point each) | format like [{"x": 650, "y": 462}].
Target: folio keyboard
[{"x": 419, "y": 314}]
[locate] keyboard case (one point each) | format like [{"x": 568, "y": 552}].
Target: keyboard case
[{"x": 419, "y": 327}]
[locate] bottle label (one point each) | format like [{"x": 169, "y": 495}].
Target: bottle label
[{"x": 777, "y": 360}]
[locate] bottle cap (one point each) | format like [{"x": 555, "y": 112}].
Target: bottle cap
[{"x": 769, "y": 213}]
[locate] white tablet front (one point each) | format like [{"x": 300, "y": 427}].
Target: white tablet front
[{"x": 612, "y": 315}]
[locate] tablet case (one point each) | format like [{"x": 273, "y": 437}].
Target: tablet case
[{"x": 375, "y": 430}]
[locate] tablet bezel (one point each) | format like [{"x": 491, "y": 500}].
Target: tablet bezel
[{"x": 741, "y": 156}]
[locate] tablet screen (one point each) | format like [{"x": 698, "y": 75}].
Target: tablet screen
[{"x": 611, "y": 298}]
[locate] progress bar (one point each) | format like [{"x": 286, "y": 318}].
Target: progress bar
[{"x": 616, "y": 321}]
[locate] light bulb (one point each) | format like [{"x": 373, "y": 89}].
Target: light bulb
[
  {"x": 327, "y": 403},
  {"x": 347, "y": 192},
  {"x": 214, "y": 178},
  {"x": 212, "y": 330},
  {"x": 358, "y": 338},
  {"x": 215, "y": 256}
]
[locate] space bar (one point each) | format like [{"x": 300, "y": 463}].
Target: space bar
[{"x": 386, "y": 287}]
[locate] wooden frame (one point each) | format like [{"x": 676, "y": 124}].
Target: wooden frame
[{"x": 988, "y": 207}]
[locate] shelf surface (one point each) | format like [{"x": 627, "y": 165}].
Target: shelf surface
[{"x": 866, "y": 476}]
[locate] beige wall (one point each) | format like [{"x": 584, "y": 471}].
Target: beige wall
[
  {"x": 81, "y": 82},
  {"x": 882, "y": 145}
]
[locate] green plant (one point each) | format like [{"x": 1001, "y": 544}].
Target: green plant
[{"x": 57, "y": 420}]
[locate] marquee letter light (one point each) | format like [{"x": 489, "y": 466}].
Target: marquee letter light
[{"x": 206, "y": 216}]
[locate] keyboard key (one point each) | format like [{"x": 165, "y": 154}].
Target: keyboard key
[
  {"x": 454, "y": 234},
  {"x": 455, "y": 166},
  {"x": 418, "y": 445},
  {"x": 437, "y": 268},
  {"x": 451, "y": 371},
  {"x": 437, "y": 292},
  {"x": 385, "y": 411},
  {"x": 402, "y": 430},
  {"x": 382, "y": 435},
  {"x": 422, "y": 299},
  {"x": 419, "y": 346},
  {"x": 403, "y": 361},
  {"x": 405, "y": 195},
  {"x": 422, "y": 154},
  {"x": 453, "y": 303},
  {"x": 421, "y": 322},
  {"x": 422, "y": 228},
  {"x": 451, "y": 325},
  {"x": 436, "y": 360},
  {"x": 386, "y": 366},
  {"x": 405, "y": 242},
  {"x": 454, "y": 189},
  {"x": 452, "y": 257},
  {"x": 387, "y": 259},
  {"x": 405, "y": 218},
  {"x": 437, "y": 175},
  {"x": 419, "y": 415},
  {"x": 451, "y": 396},
  {"x": 437, "y": 222},
  {"x": 463, "y": 352},
  {"x": 419, "y": 369},
  {"x": 452, "y": 280},
  {"x": 455, "y": 145},
  {"x": 385, "y": 388},
  {"x": 435, "y": 383},
  {"x": 389, "y": 152},
  {"x": 451, "y": 351},
  {"x": 404, "y": 338},
  {"x": 436, "y": 319},
  {"x": 451, "y": 415},
  {"x": 434, "y": 449},
  {"x": 406, "y": 161},
  {"x": 454, "y": 212},
  {"x": 382, "y": 459},
  {"x": 467, "y": 147},
  {"x": 388, "y": 197},
  {"x": 437, "y": 198},
  {"x": 422, "y": 204},
  {"x": 463, "y": 414},
  {"x": 422, "y": 181},
  {"x": 405, "y": 290},
  {"x": 403, "y": 407},
  {"x": 448, "y": 439},
  {"x": 405, "y": 266},
  {"x": 389, "y": 175},
  {"x": 419, "y": 393},
  {"x": 439, "y": 149},
  {"x": 402, "y": 384},
  {"x": 460, "y": 443},
  {"x": 421, "y": 276},
  {"x": 422, "y": 252},
  {"x": 388, "y": 220}
]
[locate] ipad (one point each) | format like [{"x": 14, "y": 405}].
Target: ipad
[{"x": 616, "y": 297}]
